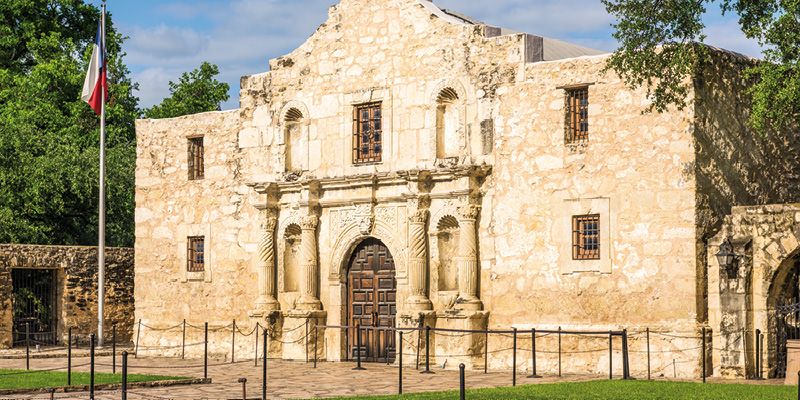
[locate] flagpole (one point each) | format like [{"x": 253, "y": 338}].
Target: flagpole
[{"x": 101, "y": 242}]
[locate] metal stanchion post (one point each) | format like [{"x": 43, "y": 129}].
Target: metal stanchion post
[
  {"x": 400, "y": 365},
  {"x": 205, "y": 351},
  {"x": 761, "y": 357},
  {"x": 358, "y": 349},
  {"x": 183, "y": 341},
  {"x": 703, "y": 354},
  {"x": 559, "y": 352},
  {"x": 533, "y": 355},
  {"x": 69, "y": 356},
  {"x": 233, "y": 342},
  {"x": 610, "y": 355},
  {"x": 264, "y": 369},
  {"x": 255, "y": 356},
  {"x": 306, "y": 341},
  {"x": 386, "y": 344},
  {"x": 136, "y": 347},
  {"x": 316, "y": 332},
  {"x": 91, "y": 366},
  {"x": 114, "y": 349},
  {"x": 514, "y": 359},
  {"x": 243, "y": 381},
  {"x": 648, "y": 353},
  {"x": 626, "y": 371},
  {"x": 462, "y": 387},
  {"x": 486, "y": 353},
  {"x": 124, "y": 375},
  {"x": 27, "y": 345},
  {"x": 419, "y": 339},
  {"x": 427, "y": 351}
]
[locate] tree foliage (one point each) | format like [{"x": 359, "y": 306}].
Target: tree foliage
[
  {"x": 49, "y": 138},
  {"x": 659, "y": 50},
  {"x": 196, "y": 91}
]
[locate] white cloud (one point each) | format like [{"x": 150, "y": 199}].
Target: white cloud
[{"x": 162, "y": 42}]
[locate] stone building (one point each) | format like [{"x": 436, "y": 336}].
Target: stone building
[
  {"x": 51, "y": 289},
  {"x": 408, "y": 165}
]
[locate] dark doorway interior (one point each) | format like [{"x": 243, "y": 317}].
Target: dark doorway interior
[
  {"x": 787, "y": 317},
  {"x": 34, "y": 306}
]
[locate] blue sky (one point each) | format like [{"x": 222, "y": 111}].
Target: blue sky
[{"x": 168, "y": 37}]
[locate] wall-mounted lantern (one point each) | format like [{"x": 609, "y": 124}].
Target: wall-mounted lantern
[{"x": 728, "y": 260}]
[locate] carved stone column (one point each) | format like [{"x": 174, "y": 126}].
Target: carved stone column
[
  {"x": 418, "y": 261},
  {"x": 266, "y": 262},
  {"x": 467, "y": 260},
  {"x": 308, "y": 264}
]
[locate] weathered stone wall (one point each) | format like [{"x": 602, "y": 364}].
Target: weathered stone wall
[
  {"x": 735, "y": 165},
  {"x": 639, "y": 171},
  {"x": 767, "y": 239},
  {"x": 76, "y": 288}
]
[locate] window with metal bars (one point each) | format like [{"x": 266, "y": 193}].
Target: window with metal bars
[
  {"x": 586, "y": 237},
  {"x": 195, "y": 254},
  {"x": 195, "y": 154},
  {"x": 576, "y": 123},
  {"x": 367, "y": 136}
]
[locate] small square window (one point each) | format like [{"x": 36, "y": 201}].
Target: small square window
[
  {"x": 576, "y": 124},
  {"x": 586, "y": 237},
  {"x": 195, "y": 254},
  {"x": 195, "y": 155}
]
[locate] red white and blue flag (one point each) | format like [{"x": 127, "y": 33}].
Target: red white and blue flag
[{"x": 96, "y": 75}]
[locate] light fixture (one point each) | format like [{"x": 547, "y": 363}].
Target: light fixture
[{"x": 727, "y": 259}]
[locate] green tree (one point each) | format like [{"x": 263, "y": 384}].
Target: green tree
[
  {"x": 197, "y": 91},
  {"x": 49, "y": 138},
  {"x": 659, "y": 49}
]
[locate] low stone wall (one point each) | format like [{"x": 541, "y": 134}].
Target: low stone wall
[{"x": 75, "y": 288}]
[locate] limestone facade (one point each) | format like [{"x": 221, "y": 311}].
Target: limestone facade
[{"x": 474, "y": 194}]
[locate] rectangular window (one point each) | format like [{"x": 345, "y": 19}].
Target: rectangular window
[
  {"x": 367, "y": 137},
  {"x": 195, "y": 254},
  {"x": 586, "y": 237},
  {"x": 576, "y": 124},
  {"x": 195, "y": 155}
]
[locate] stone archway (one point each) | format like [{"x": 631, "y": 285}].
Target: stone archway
[
  {"x": 371, "y": 301},
  {"x": 783, "y": 310},
  {"x": 767, "y": 241}
]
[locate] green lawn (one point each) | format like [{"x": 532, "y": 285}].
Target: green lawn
[
  {"x": 21, "y": 379},
  {"x": 618, "y": 390}
]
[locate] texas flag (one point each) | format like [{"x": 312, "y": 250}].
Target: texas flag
[{"x": 96, "y": 75}]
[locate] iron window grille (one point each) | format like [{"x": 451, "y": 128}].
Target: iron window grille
[
  {"x": 195, "y": 254},
  {"x": 586, "y": 237},
  {"x": 367, "y": 134},
  {"x": 576, "y": 123},
  {"x": 196, "y": 153}
]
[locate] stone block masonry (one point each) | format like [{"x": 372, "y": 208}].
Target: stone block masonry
[{"x": 74, "y": 288}]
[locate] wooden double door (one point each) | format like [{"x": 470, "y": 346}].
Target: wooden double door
[{"x": 372, "y": 301}]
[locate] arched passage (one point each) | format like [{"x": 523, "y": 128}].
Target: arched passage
[
  {"x": 372, "y": 300},
  {"x": 783, "y": 305}
]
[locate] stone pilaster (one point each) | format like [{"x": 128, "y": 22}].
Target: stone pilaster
[
  {"x": 308, "y": 264},
  {"x": 467, "y": 260},
  {"x": 418, "y": 261},
  {"x": 267, "y": 300}
]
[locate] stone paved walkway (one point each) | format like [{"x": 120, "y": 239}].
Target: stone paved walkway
[{"x": 286, "y": 380}]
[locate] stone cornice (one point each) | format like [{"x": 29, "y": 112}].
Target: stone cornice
[{"x": 373, "y": 179}]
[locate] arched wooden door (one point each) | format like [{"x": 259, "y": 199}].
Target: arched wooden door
[{"x": 372, "y": 300}]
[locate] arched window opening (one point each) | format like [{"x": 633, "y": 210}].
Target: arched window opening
[
  {"x": 447, "y": 241},
  {"x": 448, "y": 123}
]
